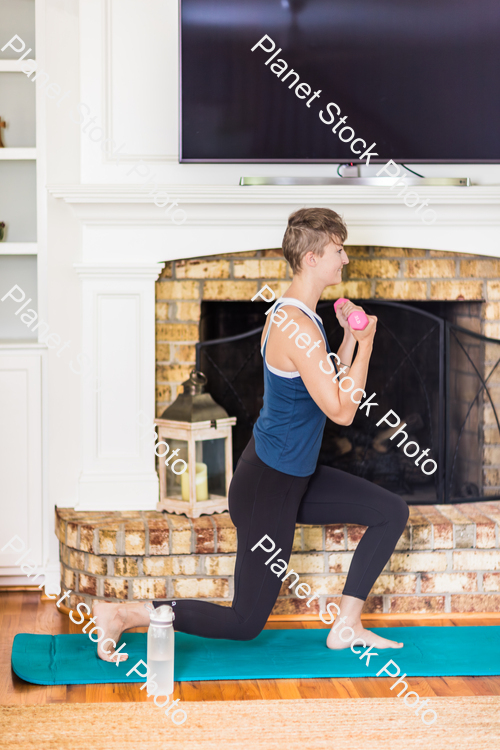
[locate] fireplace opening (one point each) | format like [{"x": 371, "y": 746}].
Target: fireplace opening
[{"x": 430, "y": 366}]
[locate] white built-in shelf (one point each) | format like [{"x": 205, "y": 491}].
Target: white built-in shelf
[
  {"x": 21, "y": 344},
  {"x": 17, "y": 153},
  {"x": 18, "y": 248},
  {"x": 11, "y": 66}
]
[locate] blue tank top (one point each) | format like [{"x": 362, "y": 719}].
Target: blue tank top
[{"x": 290, "y": 426}]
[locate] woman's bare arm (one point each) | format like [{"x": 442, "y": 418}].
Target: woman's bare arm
[
  {"x": 315, "y": 366},
  {"x": 345, "y": 351}
]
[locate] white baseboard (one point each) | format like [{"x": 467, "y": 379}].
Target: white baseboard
[
  {"x": 7, "y": 580},
  {"x": 51, "y": 575}
]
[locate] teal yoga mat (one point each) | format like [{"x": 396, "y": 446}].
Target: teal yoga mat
[{"x": 428, "y": 651}]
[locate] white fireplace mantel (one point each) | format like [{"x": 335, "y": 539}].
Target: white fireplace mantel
[{"x": 230, "y": 218}]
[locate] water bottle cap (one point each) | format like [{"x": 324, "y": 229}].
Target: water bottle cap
[{"x": 162, "y": 615}]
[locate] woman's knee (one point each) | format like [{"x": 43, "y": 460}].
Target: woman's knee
[
  {"x": 246, "y": 632},
  {"x": 401, "y": 511},
  {"x": 393, "y": 509}
]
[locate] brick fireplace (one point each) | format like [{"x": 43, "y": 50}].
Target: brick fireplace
[
  {"x": 448, "y": 557},
  {"x": 379, "y": 273}
]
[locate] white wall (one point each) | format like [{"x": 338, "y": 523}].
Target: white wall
[
  {"x": 63, "y": 288},
  {"x": 59, "y": 288}
]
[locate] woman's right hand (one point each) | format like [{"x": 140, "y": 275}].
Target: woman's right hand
[{"x": 367, "y": 335}]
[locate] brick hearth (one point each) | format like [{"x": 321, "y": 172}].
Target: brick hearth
[{"x": 448, "y": 559}]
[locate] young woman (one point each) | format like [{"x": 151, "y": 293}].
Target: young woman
[{"x": 276, "y": 482}]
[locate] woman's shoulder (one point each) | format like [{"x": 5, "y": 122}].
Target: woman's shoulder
[{"x": 295, "y": 313}]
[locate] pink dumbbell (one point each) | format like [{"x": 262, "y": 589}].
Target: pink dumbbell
[{"x": 357, "y": 319}]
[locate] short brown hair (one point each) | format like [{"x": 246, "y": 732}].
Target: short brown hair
[{"x": 311, "y": 229}]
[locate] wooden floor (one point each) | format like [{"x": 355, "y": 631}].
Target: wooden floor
[{"x": 25, "y": 612}]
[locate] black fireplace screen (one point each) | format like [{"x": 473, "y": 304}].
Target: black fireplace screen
[{"x": 439, "y": 378}]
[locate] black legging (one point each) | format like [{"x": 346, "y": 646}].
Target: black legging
[{"x": 265, "y": 501}]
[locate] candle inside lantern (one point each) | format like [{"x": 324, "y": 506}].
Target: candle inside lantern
[{"x": 201, "y": 483}]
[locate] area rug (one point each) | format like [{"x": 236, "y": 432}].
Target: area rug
[
  {"x": 343, "y": 724},
  {"x": 293, "y": 654}
]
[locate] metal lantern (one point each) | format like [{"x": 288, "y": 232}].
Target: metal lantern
[{"x": 195, "y": 451}]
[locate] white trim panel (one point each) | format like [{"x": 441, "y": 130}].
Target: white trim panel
[
  {"x": 21, "y": 455},
  {"x": 118, "y": 467}
]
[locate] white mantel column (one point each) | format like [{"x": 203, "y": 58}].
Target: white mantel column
[{"x": 118, "y": 467}]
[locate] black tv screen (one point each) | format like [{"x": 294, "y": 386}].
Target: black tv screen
[{"x": 420, "y": 79}]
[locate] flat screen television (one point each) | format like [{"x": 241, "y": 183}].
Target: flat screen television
[{"x": 418, "y": 78}]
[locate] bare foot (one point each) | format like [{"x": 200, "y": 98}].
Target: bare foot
[
  {"x": 111, "y": 617},
  {"x": 370, "y": 639},
  {"x": 114, "y": 619}
]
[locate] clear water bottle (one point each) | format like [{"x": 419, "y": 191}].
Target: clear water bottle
[{"x": 161, "y": 649}]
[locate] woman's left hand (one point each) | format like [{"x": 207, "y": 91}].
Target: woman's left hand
[{"x": 343, "y": 312}]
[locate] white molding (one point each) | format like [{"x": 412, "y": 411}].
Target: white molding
[
  {"x": 107, "y": 96},
  {"x": 118, "y": 491},
  {"x": 18, "y": 248},
  {"x": 118, "y": 307},
  {"x": 279, "y": 221},
  {"x": 21, "y": 491},
  {"x": 106, "y": 78},
  {"x": 9, "y": 578},
  {"x": 50, "y": 542},
  {"x": 18, "y": 154},
  {"x": 51, "y": 575},
  {"x": 148, "y": 271},
  {"x": 22, "y": 347},
  {"x": 232, "y": 218},
  {"x": 285, "y": 195},
  {"x": 12, "y": 66},
  {"x": 157, "y": 158}
]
